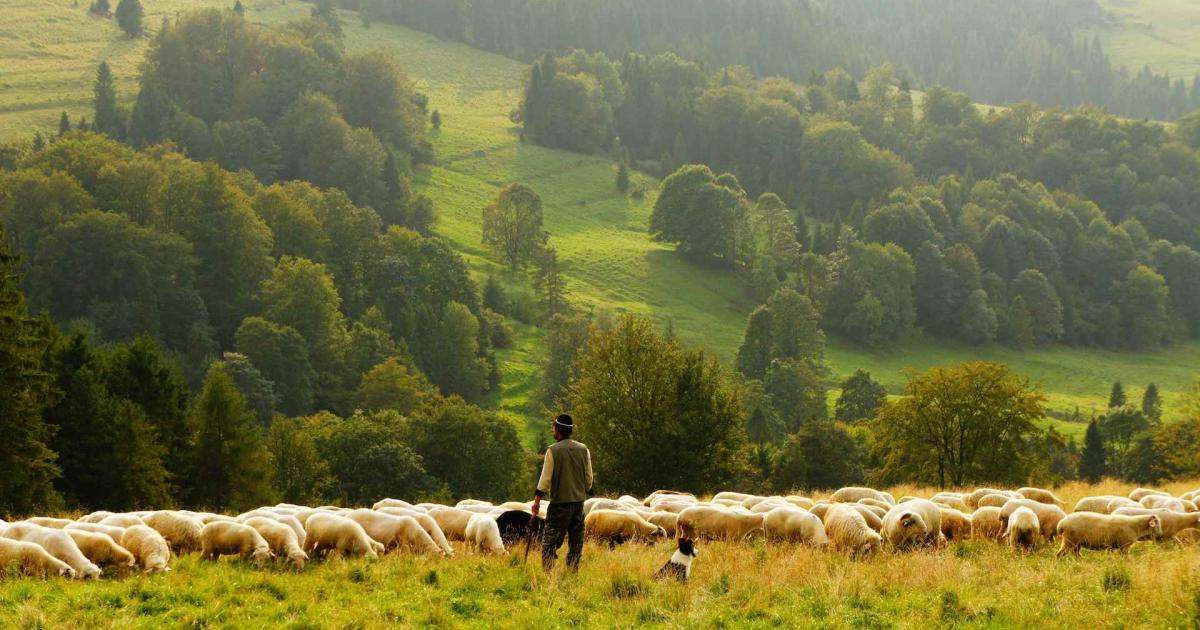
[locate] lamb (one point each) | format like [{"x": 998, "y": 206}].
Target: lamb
[
  {"x": 220, "y": 538},
  {"x": 57, "y": 543},
  {"x": 667, "y": 520},
  {"x": 333, "y": 532},
  {"x": 1155, "y": 501},
  {"x": 1103, "y": 504},
  {"x": 715, "y": 523},
  {"x": 912, "y": 524},
  {"x": 96, "y": 528},
  {"x": 395, "y": 531},
  {"x": 1041, "y": 496},
  {"x": 1024, "y": 529},
  {"x": 616, "y": 527},
  {"x": 52, "y": 523},
  {"x": 452, "y": 521},
  {"x": 484, "y": 534},
  {"x": 1103, "y": 531},
  {"x": 956, "y": 525},
  {"x": 148, "y": 546},
  {"x": 121, "y": 520},
  {"x": 101, "y": 549},
  {"x": 181, "y": 531},
  {"x": 848, "y": 532},
  {"x": 854, "y": 494},
  {"x": 391, "y": 503},
  {"x": 32, "y": 559},
  {"x": 280, "y": 538},
  {"x": 985, "y": 523},
  {"x": 1048, "y": 515},
  {"x": 427, "y": 523},
  {"x": 1172, "y": 522},
  {"x": 792, "y": 524}
]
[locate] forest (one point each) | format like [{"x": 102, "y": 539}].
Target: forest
[{"x": 1031, "y": 50}]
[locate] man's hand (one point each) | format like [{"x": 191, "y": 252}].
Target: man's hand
[{"x": 537, "y": 506}]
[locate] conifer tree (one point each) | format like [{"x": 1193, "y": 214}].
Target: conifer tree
[
  {"x": 1092, "y": 464},
  {"x": 1116, "y": 398},
  {"x": 129, "y": 17},
  {"x": 229, "y": 461},
  {"x": 105, "y": 102}
]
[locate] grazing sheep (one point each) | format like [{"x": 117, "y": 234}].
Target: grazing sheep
[
  {"x": 427, "y": 523},
  {"x": 630, "y": 500},
  {"x": 32, "y": 559},
  {"x": 96, "y": 528},
  {"x": 484, "y": 535},
  {"x": 954, "y": 503},
  {"x": 792, "y": 524},
  {"x": 57, "y": 543},
  {"x": 122, "y": 520},
  {"x": 616, "y": 526},
  {"x": 766, "y": 506},
  {"x": 972, "y": 499},
  {"x": 956, "y": 525},
  {"x": 1157, "y": 501},
  {"x": 1172, "y": 523},
  {"x": 848, "y": 532},
  {"x": 913, "y": 524},
  {"x": 101, "y": 549},
  {"x": 148, "y": 546},
  {"x": 603, "y": 503},
  {"x": 658, "y": 495},
  {"x": 220, "y": 538},
  {"x": 753, "y": 500},
  {"x": 854, "y": 494},
  {"x": 1048, "y": 515},
  {"x": 1104, "y": 504},
  {"x": 1024, "y": 529},
  {"x": 287, "y": 519},
  {"x": 52, "y": 523},
  {"x": 94, "y": 517},
  {"x": 394, "y": 531},
  {"x": 884, "y": 506},
  {"x": 799, "y": 501},
  {"x": 452, "y": 521},
  {"x": 181, "y": 530},
  {"x": 1137, "y": 494},
  {"x": 391, "y": 503},
  {"x": 995, "y": 500},
  {"x": 710, "y": 522},
  {"x": 280, "y": 538},
  {"x": 674, "y": 507},
  {"x": 325, "y": 532},
  {"x": 1041, "y": 496},
  {"x": 730, "y": 496},
  {"x": 1103, "y": 531},
  {"x": 985, "y": 523},
  {"x": 669, "y": 521}
]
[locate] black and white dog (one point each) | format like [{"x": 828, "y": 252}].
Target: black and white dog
[{"x": 680, "y": 564}]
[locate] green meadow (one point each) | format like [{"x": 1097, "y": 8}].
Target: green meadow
[{"x": 1158, "y": 33}]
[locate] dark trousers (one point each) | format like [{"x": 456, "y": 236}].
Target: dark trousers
[{"x": 563, "y": 520}]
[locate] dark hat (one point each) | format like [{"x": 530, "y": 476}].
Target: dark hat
[{"x": 564, "y": 421}]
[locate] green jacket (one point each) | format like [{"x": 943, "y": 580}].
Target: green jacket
[{"x": 567, "y": 473}]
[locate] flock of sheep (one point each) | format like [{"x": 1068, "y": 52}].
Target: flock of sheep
[{"x": 858, "y": 521}]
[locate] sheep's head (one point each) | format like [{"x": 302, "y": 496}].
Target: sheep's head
[
  {"x": 261, "y": 555},
  {"x": 66, "y": 572},
  {"x": 1155, "y": 525},
  {"x": 298, "y": 559},
  {"x": 908, "y": 520}
]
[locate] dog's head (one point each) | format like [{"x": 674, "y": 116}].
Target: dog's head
[{"x": 688, "y": 547}]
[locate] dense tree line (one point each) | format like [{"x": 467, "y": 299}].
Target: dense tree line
[{"x": 998, "y": 52}]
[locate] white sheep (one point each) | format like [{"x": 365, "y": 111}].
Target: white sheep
[
  {"x": 122, "y": 520},
  {"x": 182, "y": 531},
  {"x": 101, "y": 549},
  {"x": 848, "y": 531},
  {"x": 1172, "y": 522},
  {"x": 618, "y": 526},
  {"x": 280, "y": 538},
  {"x": 32, "y": 559},
  {"x": 427, "y": 523},
  {"x": 333, "y": 532},
  {"x": 1024, "y": 530},
  {"x": 913, "y": 524},
  {"x": 221, "y": 538},
  {"x": 148, "y": 546},
  {"x": 484, "y": 534},
  {"x": 1103, "y": 531},
  {"x": 711, "y": 522},
  {"x": 57, "y": 543},
  {"x": 985, "y": 523},
  {"x": 395, "y": 531},
  {"x": 792, "y": 524},
  {"x": 1048, "y": 515}
]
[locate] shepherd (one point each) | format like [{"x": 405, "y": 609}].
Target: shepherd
[{"x": 567, "y": 478}]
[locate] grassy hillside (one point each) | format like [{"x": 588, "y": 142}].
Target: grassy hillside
[
  {"x": 1161, "y": 33},
  {"x": 608, "y": 260},
  {"x": 973, "y": 584}
]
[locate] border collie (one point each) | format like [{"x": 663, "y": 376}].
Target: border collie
[{"x": 680, "y": 564}]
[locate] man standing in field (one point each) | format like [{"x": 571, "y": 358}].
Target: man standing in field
[{"x": 567, "y": 478}]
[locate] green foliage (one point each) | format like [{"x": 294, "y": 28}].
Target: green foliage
[
  {"x": 696, "y": 212},
  {"x": 566, "y": 338},
  {"x": 798, "y": 392},
  {"x": 104, "y": 104},
  {"x": 512, "y": 225},
  {"x": 129, "y": 16},
  {"x": 474, "y": 453},
  {"x": 785, "y": 328},
  {"x": 1152, "y": 405},
  {"x": 297, "y": 470},
  {"x": 280, "y": 353},
  {"x": 968, "y": 424},
  {"x": 369, "y": 459},
  {"x": 1142, "y": 298},
  {"x": 393, "y": 385},
  {"x": 821, "y": 455},
  {"x": 685, "y": 410},
  {"x": 1092, "y": 465},
  {"x": 249, "y": 145},
  {"x": 258, "y": 392},
  {"x": 230, "y": 466},
  {"x": 871, "y": 301},
  {"x": 860, "y": 399},
  {"x": 1116, "y": 396}
]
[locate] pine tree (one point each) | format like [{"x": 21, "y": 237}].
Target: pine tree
[
  {"x": 229, "y": 461},
  {"x": 1091, "y": 463},
  {"x": 27, "y": 465},
  {"x": 239, "y": 8},
  {"x": 99, "y": 7},
  {"x": 1152, "y": 404},
  {"x": 64, "y": 124},
  {"x": 623, "y": 177},
  {"x": 39, "y": 142},
  {"x": 129, "y": 17},
  {"x": 105, "y": 102},
  {"x": 435, "y": 119},
  {"x": 1116, "y": 398},
  {"x": 549, "y": 284}
]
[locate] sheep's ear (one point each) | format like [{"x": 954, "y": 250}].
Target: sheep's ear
[{"x": 1154, "y": 521}]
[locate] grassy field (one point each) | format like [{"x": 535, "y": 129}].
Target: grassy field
[
  {"x": 972, "y": 584},
  {"x": 1158, "y": 33},
  {"x": 48, "y": 54}
]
